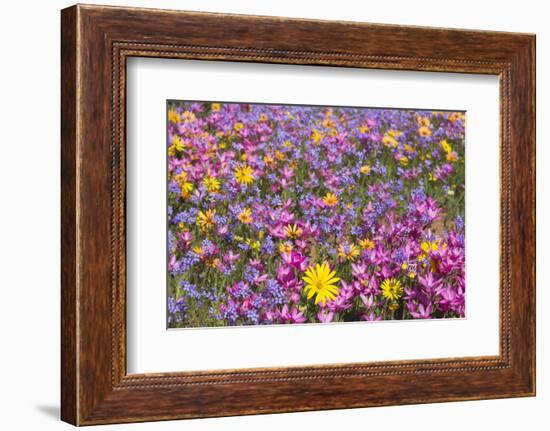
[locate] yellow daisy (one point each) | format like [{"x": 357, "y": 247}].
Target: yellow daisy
[
  {"x": 198, "y": 250},
  {"x": 366, "y": 244},
  {"x": 423, "y": 121},
  {"x": 285, "y": 247},
  {"x": 330, "y": 199},
  {"x": 244, "y": 174},
  {"x": 428, "y": 246},
  {"x": 279, "y": 155},
  {"x": 212, "y": 262},
  {"x": 348, "y": 251},
  {"x": 181, "y": 177},
  {"x": 389, "y": 141},
  {"x": 269, "y": 161},
  {"x": 177, "y": 145},
  {"x": 452, "y": 156},
  {"x": 392, "y": 289},
  {"x": 446, "y": 146},
  {"x": 316, "y": 136},
  {"x": 365, "y": 169},
  {"x": 173, "y": 116},
  {"x": 364, "y": 128},
  {"x": 321, "y": 281},
  {"x": 186, "y": 189},
  {"x": 254, "y": 244},
  {"x": 424, "y": 131},
  {"x": 188, "y": 117},
  {"x": 205, "y": 221},
  {"x": 245, "y": 216},
  {"x": 456, "y": 116},
  {"x": 212, "y": 184},
  {"x": 292, "y": 231}
]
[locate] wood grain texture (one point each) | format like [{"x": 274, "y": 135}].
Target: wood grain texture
[{"x": 96, "y": 41}]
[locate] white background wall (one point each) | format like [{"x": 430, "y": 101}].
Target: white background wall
[{"x": 29, "y": 215}]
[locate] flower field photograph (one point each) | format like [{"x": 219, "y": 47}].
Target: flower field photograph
[{"x": 295, "y": 214}]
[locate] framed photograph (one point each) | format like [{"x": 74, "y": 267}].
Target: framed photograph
[{"x": 264, "y": 215}]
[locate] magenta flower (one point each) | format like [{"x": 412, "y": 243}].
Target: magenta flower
[
  {"x": 295, "y": 260},
  {"x": 292, "y": 316},
  {"x": 325, "y": 316},
  {"x": 230, "y": 258},
  {"x": 420, "y": 311}
]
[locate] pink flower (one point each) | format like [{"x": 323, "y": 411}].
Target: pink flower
[
  {"x": 256, "y": 264},
  {"x": 173, "y": 263},
  {"x": 368, "y": 300},
  {"x": 186, "y": 238},
  {"x": 295, "y": 260},
  {"x": 230, "y": 257},
  {"x": 222, "y": 230},
  {"x": 260, "y": 279},
  {"x": 421, "y": 311},
  {"x": 430, "y": 283},
  {"x": 276, "y": 231},
  {"x": 292, "y": 316},
  {"x": 370, "y": 316},
  {"x": 325, "y": 316}
]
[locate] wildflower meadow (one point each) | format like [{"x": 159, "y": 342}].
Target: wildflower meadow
[{"x": 283, "y": 214}]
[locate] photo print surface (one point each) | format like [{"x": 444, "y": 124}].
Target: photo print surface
[{"x": 291, "y": 214}]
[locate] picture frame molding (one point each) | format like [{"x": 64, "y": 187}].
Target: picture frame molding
[{"x": 96, "y": 41}]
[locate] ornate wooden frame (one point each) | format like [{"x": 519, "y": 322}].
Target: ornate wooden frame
[{"x": 95, "y": 43}]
